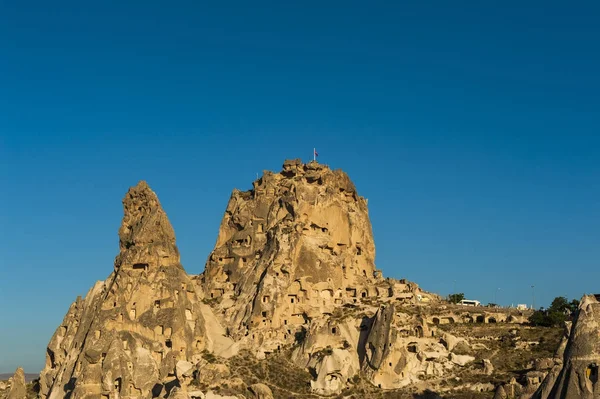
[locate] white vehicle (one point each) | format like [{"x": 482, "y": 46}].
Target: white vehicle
[{"x": 469, "y": 302}]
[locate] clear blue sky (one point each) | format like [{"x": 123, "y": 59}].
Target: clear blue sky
[{"x": 471, "y": 127}]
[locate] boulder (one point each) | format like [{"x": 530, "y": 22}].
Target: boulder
[
  {"x": 212, "y": 374},
  {"x": 184, "y": 369},
  {"x": 450, "y": 341},
  {"x": 510, "y": 390},
  {"x": 462, "y": 347},
  {"x": 461, "y": 360},
  {"x": 544, "y": 363},
  {"x": 500, "y": 393},
  {"x": 261, "y": 391},
  {"x": 482, "y": 387},
  {"x": 488, "y": 367}
]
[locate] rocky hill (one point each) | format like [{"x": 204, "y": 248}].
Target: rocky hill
[{"x": 290, "y": 305}]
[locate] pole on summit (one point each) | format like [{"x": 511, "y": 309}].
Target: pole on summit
[{"x": 315, "y": 154}]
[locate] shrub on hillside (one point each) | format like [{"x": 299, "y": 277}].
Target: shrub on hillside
[{"x": 559, "y": 311}]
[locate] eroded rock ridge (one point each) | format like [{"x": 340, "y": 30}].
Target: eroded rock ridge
[{"x": 292, "y": 274}]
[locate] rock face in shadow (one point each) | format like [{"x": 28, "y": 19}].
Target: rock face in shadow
[
  {"x": 126, "y": 336},
  {"x": 578, "y": 376},
  {"x": 380, "y": 338}
]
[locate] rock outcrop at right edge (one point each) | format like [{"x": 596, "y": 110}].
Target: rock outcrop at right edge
[
  {"x": 578, "y": 378},
  {"x": 573, "y": 373}
]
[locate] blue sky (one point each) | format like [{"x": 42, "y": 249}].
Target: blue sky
[{"x": 471, "y": 127}]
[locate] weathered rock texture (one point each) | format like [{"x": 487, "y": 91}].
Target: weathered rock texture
[
  {"x": 291, "y": 248},
  {"x": 577, "y": 375},
  {"x": 261, "y": 391},
  {"x": 125, "y": 337},
  {"x": 292, "y": 251},
  {"x": 18, "y": 389},
  {"x": 573, "y": 372},
  {"x": 292, "y": 274}
]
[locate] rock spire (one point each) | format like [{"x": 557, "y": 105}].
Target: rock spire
[
  {"x": 125, "y": 338},
  {"x": 18, "y": 389},
  {"x": 577, "y": 376}
]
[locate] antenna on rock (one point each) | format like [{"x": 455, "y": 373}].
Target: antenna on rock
[{"x": 315, "y": 154}]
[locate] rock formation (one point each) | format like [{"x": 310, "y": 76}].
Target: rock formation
[
  {"x": 292, "y": 274},
  {"x": 293, "y": 254},
  {"x": 289, "y": 250},
  {"x": 576, "y": 376},
  {"x": 261, "y": 391},
  {"x": 573, "y": 372},
  {"x": 126, "y": 336},
  {"x": 18, "y": 389}
]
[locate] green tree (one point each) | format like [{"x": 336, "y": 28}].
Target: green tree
[
  {"x": 559, "y": 304},
  {"x": 538, "y": 318},
  {"x": 574, "y": 305},
  {"x": 558, "y": 312},
  {"x": 456, "y": 298}
]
